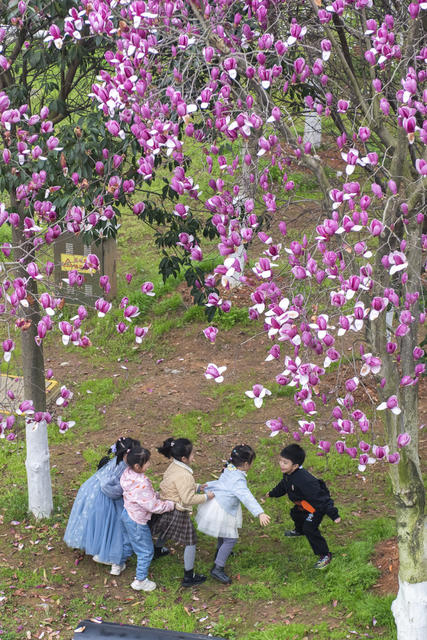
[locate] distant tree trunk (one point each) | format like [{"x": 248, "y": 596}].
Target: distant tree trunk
[
  {"x": 248, "y": 190},
  {"x": 37, "y": 462},
  {"x": 312, "y": 129}
]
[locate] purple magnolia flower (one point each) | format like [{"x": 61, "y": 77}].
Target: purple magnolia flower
[
  {"x": 64, "y": 397},
  {"x": 8, "y": 346},
  {"x": 403, "y": 439},
  {"x": 210, "y": 333},
  {"x": 140, "y": 333},
  {"x": 64, "y": 426},
  {"x": 33, "y": 271},
  {"x": 351, "y": 451},
  {"x": 26, "y": 407},
  {"x": 393, "y": 458},
  {"x": 392, "y": 404},
  {"x": 352, "y": 384},
  {"x": 258, "y": 393},
  {"x": 371, "y": 364},
  {"x": 274, "y": 353},
  {"x": 121, "y": 327},
  {"x": 418, "y": 353},
  {"x": 380, "y": 452},
  {"x": 132, "y": 311},
  {"x": 92, "y": 262},
  {"x": 276, "y": 426},
  {"x": 331, "y": 356},
  {"x": 103, "y": 307},
  {"x": 148, "y": 288},
  {"x": 340, "y": 446},
  {"x": 215, "y": 373},
  {"x": 66, "y": 329},
  {"x": 325, "y": 445}
]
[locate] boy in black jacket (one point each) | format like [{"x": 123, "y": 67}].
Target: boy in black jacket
[{"x": 312, "y": 501}]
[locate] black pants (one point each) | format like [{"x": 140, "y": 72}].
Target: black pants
[{"x": 308, "y": 524}]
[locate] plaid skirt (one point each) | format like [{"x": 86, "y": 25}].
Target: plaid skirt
[{"x": 173, "y": 525}]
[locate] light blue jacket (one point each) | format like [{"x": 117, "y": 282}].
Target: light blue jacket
[{"x": 231, "y": 488}]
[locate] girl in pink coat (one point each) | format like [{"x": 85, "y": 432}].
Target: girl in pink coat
[{"x": 140, "y": 502}]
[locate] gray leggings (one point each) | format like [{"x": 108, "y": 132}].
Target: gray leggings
[
  {"x": 223, "y": 550},
  {"x": 189, "y": 554}
]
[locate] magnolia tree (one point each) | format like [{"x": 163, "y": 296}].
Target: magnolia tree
[
  {"x": 59, "y": 173},
  {"x": 234, "y": 80}
]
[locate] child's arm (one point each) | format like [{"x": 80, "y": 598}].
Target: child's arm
[
  {"x": 112, "y": 488},
  {"x": 242, "y": 492},
  {"x": 278, "y": 491},
  {"x": 150, "y": 502},
  {"x": 187, "y": 493}
]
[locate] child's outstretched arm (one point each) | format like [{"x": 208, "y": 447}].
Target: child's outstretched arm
[{"x": 278, "y": 491}]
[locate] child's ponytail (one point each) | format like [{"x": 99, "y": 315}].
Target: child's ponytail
[
  {"x": 176, "y": 448},
  {"x": 240, "y": 454},
  {"x": 119, "y": 449}
]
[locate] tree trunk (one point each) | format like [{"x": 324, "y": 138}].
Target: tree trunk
[
  {"x": 410, "y": 607},
  {"x": 37, "y": 462},
  {"x": 38, "y": 470},
  {"x": 248, "y": 190}
]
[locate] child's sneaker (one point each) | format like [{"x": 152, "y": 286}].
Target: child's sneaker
[
  {"x": 117, "y": 569},
  {"x": 219, "y": 574},
  {"x": 323, "y": 561},
  {"x": 143, "y": 585},
  {"x": 293, "y": 533}
]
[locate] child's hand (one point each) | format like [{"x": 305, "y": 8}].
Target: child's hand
[
  {"x": 267, "y": 495},
  {"x": 202, "y": 487},
  {"x": 210, "y": 495},
  {"x": 337, "y": 521},
  {"x": 264, "y": 519}
]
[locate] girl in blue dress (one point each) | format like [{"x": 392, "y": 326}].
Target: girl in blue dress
[{"x": 94, "y": 522}]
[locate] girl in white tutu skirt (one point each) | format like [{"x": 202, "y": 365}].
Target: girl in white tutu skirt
[{"x": 222, "y": 516}]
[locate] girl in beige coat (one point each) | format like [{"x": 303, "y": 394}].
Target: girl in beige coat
[{"x": 179, "y": 486}]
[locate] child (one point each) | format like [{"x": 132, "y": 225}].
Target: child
[
  {"x": 140, "y": 501},
  {"x": 94, "y": 522},
  {"x": 223, "y": 516},
  {"x": 312, "y": 501},
  {"x": 178, "y": 485}
]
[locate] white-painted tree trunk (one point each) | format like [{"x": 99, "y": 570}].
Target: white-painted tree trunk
[
  {"x": 410, "y": 611},
  {"x": 234, "y": 279},
  {"x": 37, "y": 463},
  {"x": 312, "y": 129}
]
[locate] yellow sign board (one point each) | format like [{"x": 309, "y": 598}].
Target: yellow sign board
[{"x": 73, "y": 262}]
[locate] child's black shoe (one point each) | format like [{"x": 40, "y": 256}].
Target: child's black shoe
[
  {"x": 159, "y": 552},
  {"x": 192, "y": 579},
  {"x": 219, "y": 574},
  {"x": 293, "y": 533}
]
